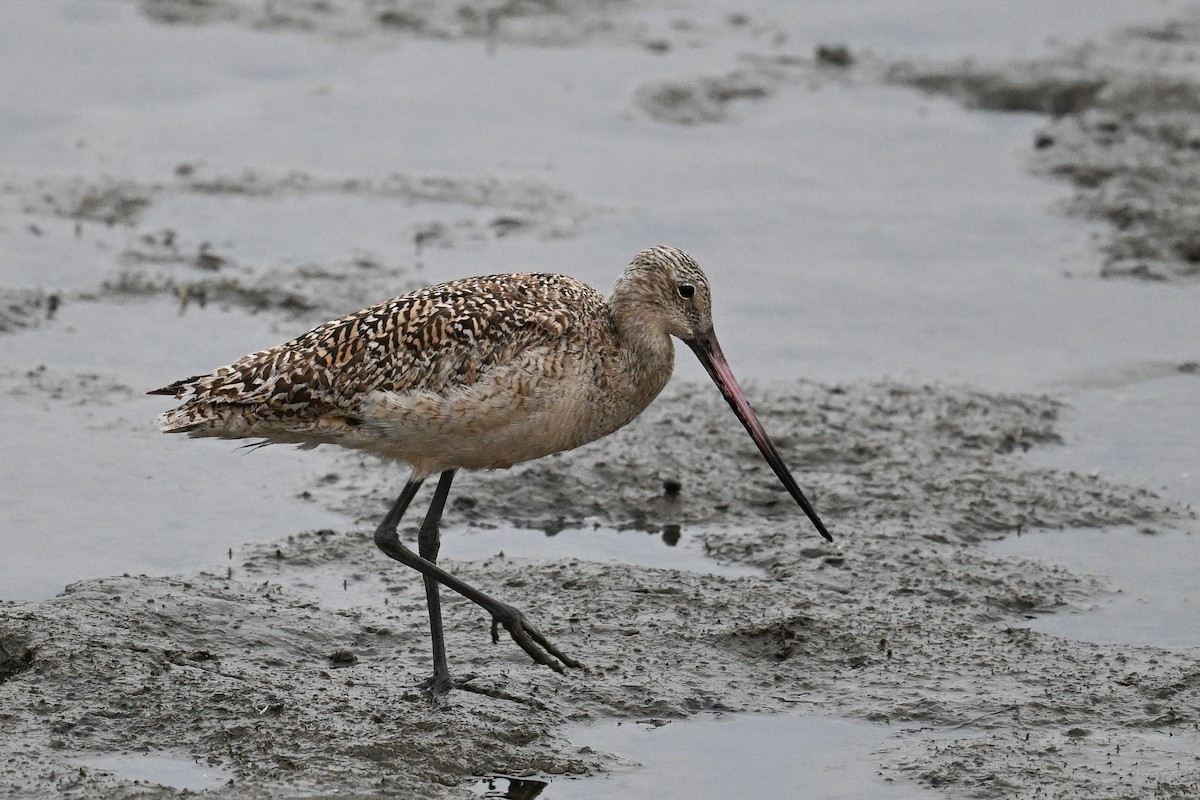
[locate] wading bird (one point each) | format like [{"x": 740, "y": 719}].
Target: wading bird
[{"x": 478, "y": 373}]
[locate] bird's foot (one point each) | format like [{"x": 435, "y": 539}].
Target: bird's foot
[
  {"x": 530, "y": 639},
  {"x": 439, "y": 685},
  {"x": 495, "y": 689}
]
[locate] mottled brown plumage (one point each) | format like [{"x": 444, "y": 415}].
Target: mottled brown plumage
[{"x": 478, "y": 373}]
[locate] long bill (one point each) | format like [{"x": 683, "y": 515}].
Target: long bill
[{"x": 707, "y": 349}]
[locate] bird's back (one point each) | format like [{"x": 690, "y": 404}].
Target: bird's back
[{"x": 437, "y": 342}]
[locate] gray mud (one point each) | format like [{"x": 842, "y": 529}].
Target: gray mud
[
  {"x": 542, "y": 22},
  {"x": 174, "y": 259},
  {"x": 1124, "y": 131},
  {"x": 903, "y": 621}
]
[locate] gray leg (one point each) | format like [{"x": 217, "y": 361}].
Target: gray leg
[
  {"x": 530, "y": 639},
  {"x": 428, "y": 543}
]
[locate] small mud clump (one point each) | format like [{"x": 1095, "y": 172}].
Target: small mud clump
[
  {"x": 21, "y": 309},
  {"x": 706, "y": 100}
]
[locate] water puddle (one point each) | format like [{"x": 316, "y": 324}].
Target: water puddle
[
  {"x": 164, "y": 769},
  {"x": 1157, "y": 600},
  {"x": 1132, "y": 422},
  {"x": 100, "y": 491},
  {"x": 726, "y": 756},
  {"x": 348, "y": 586},
  {"x": 1135, "y": 422},
  {"x": 672, "y": 549}
]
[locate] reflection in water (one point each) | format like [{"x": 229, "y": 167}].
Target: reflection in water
[
  {"x": 719, "y": 756},
  {"x": 497, "y": 786},
  {"x": 668, "y": 547},
  {"x": 164, "y": 768},
  {"x": 671, "y": 533}
]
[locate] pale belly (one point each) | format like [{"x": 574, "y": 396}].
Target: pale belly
[{"x": 513, "y": 417}]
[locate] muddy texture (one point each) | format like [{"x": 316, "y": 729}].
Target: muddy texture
[
  {"x": 718, "y": 97},
  {"x": 297, "y": 690},
  {"x": 25, "y": 308},
  {"x": 522, "y": 21},
  {"x": 704, "y": 100},
  {"x": 1139, "y": 172},
  {"x": 43, "y": 384},
  {"x": 1124, "y": 130},
  {"x": 180, "y": 261},
  {"x": 296, "y": 693},
  {"x": 115, "y": 202},
  {"x": 937, "y": 440}
]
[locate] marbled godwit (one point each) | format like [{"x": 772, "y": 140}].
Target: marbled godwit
[{"x": 479, "y": 373}]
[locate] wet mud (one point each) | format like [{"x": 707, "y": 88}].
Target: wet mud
[
  {"x": 149, "y": 258},
  {"x": 905, "y": 621},
  {"x": 1124, "y": 130},
  {"x": 552, "y": 22}
]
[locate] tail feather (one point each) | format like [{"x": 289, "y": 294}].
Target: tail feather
[
  {"x": 200, "y": 415},
  {"x": 187, "y": 418},
  {"x": 199, "y": 418},
  {"x": 178, "y": 388},
  {"x": 204, "y": 412}
]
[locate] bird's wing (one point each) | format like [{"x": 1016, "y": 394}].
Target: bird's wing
[{"x": 433, "y": 340}]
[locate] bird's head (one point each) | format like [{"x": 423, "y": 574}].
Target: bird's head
[
  {"x": 667, "y": 291},
  {"x": 663, "y": 291}
]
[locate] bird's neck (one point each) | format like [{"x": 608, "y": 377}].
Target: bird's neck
[{"x": 646, "y": 350}]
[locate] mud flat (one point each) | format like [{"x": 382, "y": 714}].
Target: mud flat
[
  {"x": 295, "y": 669},
  {"x": 1123, "y": 123},
  {"x": 1124, "y": 130},
  {"x": 904, "y": 621}
]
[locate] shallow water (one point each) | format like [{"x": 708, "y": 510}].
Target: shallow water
[
  {"x": 672, "y": 549},
  {"x": 1135, "y": 423},
  {"x": 96, "y": 490},
  {"x": 340, "y": 586},
  {"x": 165, "y": 769},
  {"x": 1156, "y": 600},
  {"x": 720, "y": 756},
  {"x": 849, "y": 232},
  {"x": 738, "y": 756}
]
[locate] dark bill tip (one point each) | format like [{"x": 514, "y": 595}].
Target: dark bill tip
[{"x": 707, "y": 349}]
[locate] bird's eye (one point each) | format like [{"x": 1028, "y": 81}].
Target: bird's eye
[{"x": 686, "y": 291}]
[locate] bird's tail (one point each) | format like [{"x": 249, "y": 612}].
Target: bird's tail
[{"x": 201, "y": 413}]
